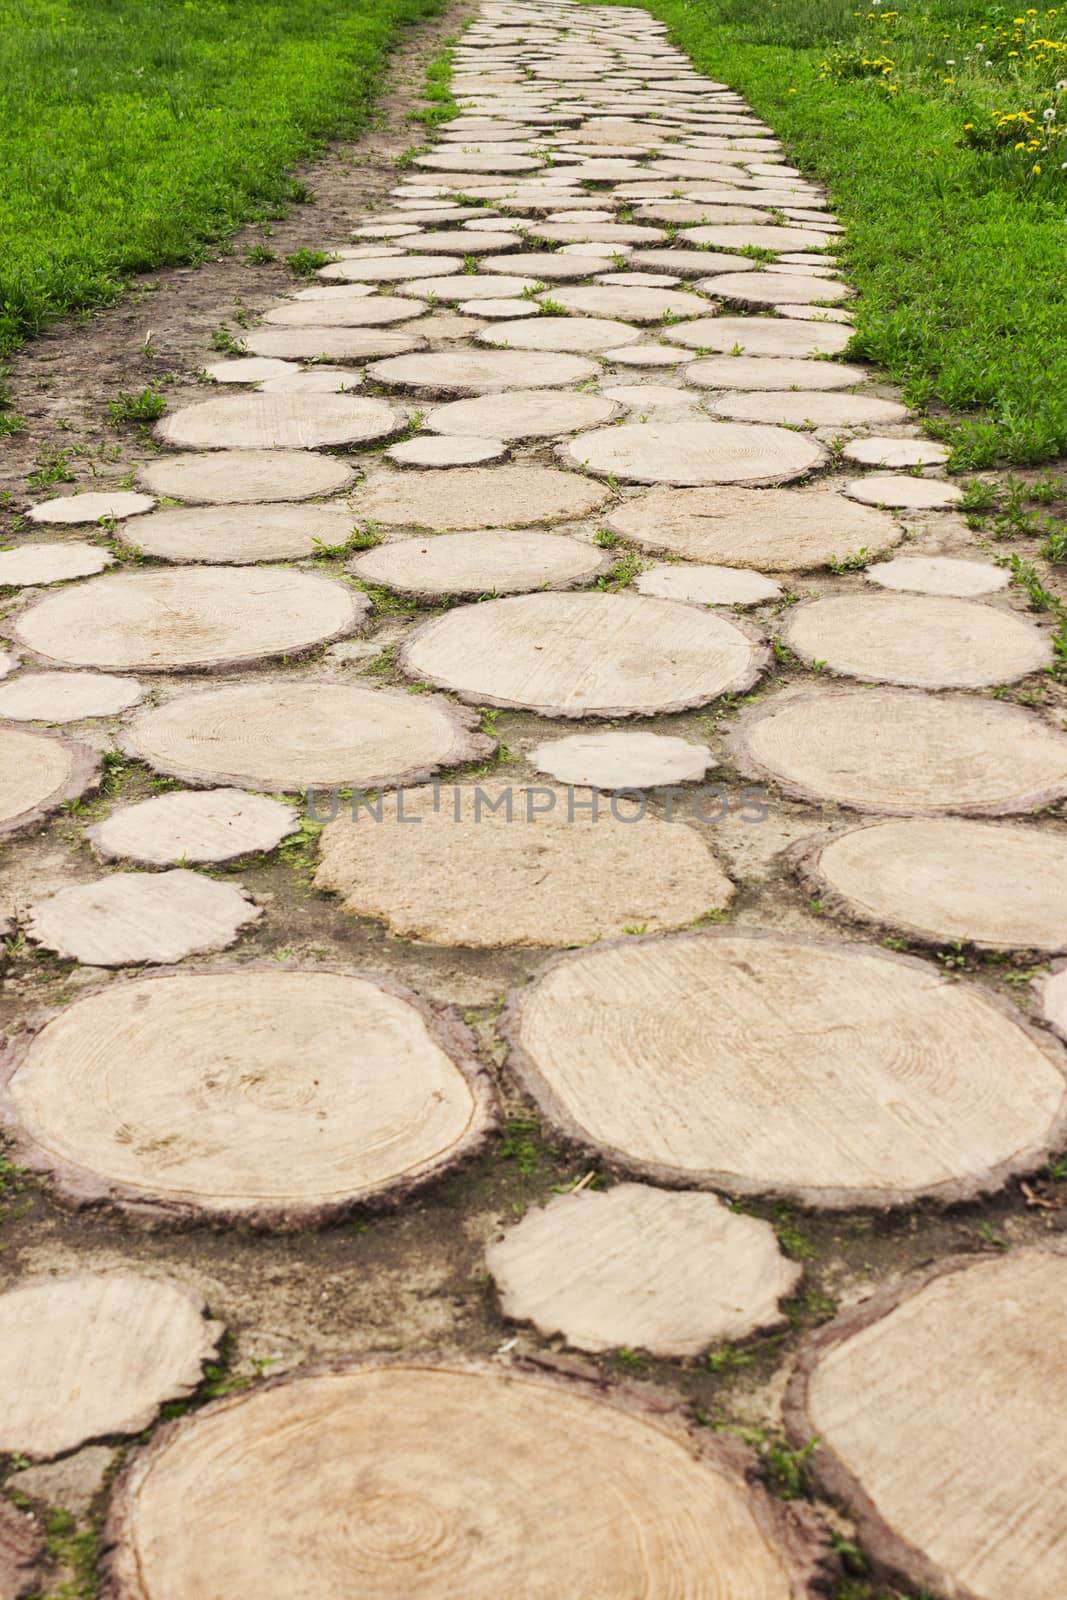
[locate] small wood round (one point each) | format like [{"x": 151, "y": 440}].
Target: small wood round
[
  {"x": 284, "y": 735},
  {"x": 775, "y": 288},
  {"x": 522, "y": 414},
  {"x": 51, "y": 563},
  {"x": 214, "y": 825},
  {"x": 584, "y": 655},
  {"x": 333, "y": 344},
  {"x": 763, "y": 235},
  {"x": 474, "y": 497},
  {"x": 496, "y": 561},
  {"x": 131, "y": 918},
  {"x": 341, "y": 311},
  {"x": 243, "y": 477},
  {"x": 629, "y": 304},
  {"x": 1053, "y": 991},
  {"x": 929, "y": 641},
  {"x": 682, "y": 451},
  {"x": 549, "y": 265},
  {"x": 241, "y": 535},
  {"x": 67, "y": 696},
  {"x": 614, "y": 1270},
  {"x": 580, "y": 335},
  {"x": 446, "y": 450},
  {"x": 171, "y": 1096},
  {"x": 389, "y": 269},
  {"x": 937, "y": 879},
  {"x": 836, "y": 1075},
  {"x": 473, "y": 372},
  {"x": 707, "y": 586},
  {"x": 812, "y": 408},
  {"x": 893, "y": 453},
  {"x": 467, "y": 287},
  {"x": 939, "y": 1406},
  {"x": 190, "y": 619},
  {"x": 493, "y": 866},
  {"x": 278, "y": 421},
  {"x": 442, "y": 1478},
  {"x": 904, "y": 493},
  {"x": 73, "y": 508},
  {"x": 23, "y": 1553},
  {"x": 38, "y": 773},
  {"x": 623, "y": 760},
  {"x": 760, "y": 336},
  {"x": 938, "y": 575},
  {"x": 250, "y": 369},
  {"x": 903, "y": 753},
  {"x": 92, "y": 1355},
  {"x": 768, "y": 529}
]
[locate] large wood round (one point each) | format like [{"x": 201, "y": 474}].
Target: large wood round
[
  {"x": 278, "y": 421},
  {"x": 940, "y": 1409},
  {"x": 277, "y": 1098},
  {"x": 494, "y": 865},
  {"x": 583, "y": 655},
  {"x": 774, "y": 530},
  {"x": 838, "y": 1075},
  {"x": 91, "y": 1355},
  {"x": 684, "y": 450},
  {"x": 929, "y": 641},
  {"x": 477, "y": 497},
  {"x": 284, "y": 735},
  {"x": 38, "y": 772},
  {"x": 473, "y": 372},
  {"x": 614, "y": 1269},
  {"x": 189, "y": 619},
  {"x": 243, "y": 477},
  {"x": 810, "y": 408},
  {"x": 452, "y": 1481},
  {"x": 522, "y": 414},
  {"x": 493, "y": 561},
  {"x": 760, "y": 336},
  {"x": 938, "y": 879},
  {"x": 240, "y": 534},
  {"x": 903, "y": 753}
]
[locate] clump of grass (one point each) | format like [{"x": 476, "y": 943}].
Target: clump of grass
[
  {"x": 147, "y": 406},
  {"x": 305, "y": 263}
]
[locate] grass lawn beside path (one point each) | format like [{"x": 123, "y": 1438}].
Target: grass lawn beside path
[
  {"x": 941, "y": 129},
  {"x": 134, "y": 132}
]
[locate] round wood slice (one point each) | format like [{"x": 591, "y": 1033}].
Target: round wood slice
[
  {"x": 905, "y": 493},
  {"x": 762, "y": 235},
  {"x": 241, "y": 535},
  {"x": 284, "y": 735},
  {"x": 892, "y": 453},
  {"x": 522, "y": 414},
  {"x": 707, "y": 586},
  {"x": 443, "y": 1478},
  {"x": 645, "y": 398},
  {"x": 38, "y": 773},
  {"x": 775, "y": 288},
  {"x": 903, "y": 753},
  {"x": 629, "y": 304},
  {"x": 389, "y": 269},
  {"x": 240, "y": 477},
  {"x": 930, "y": 641},
  {"x": 212, "y": 826},
  {"x": 496, "y": 561},
  {"x": 198, "y": 618},
  {"x": 580, "y": 335},
  {"x": 468, "y": 287},
  {"x": 615, "y": 1270},
  {"x": 342, "y": 311},
  {"x": 760, "y": 336},
  {"x": 549, "y": 265},
  {"x": 51, "y": 563},
  {"x": 333, "y": 344},
  {"x": 682, "y": 451},
  {"x": 937, "y": 879},
  {"x": 473, "y": 497},
  {"x": 113, "y": 503},
  {"x": 648, "y": 355},
  {"x": 624, "y": 760},
  {"x": 584, "y": 655},
  {"x": 250, "y": 369},
  {"x": 942, "y": 575},
  {"x": 837, "y": 1075},
  {"x": 8, "y": 662},
  {"x": 172, "y": 1096},
  {"x": 67, "y": 696},
  {"x": 773, "y": 530},
  {"x": 93, "y": 1354},
  {"x": 445, "y": 450},
  {"x": 135, "y": 917},
  {"x": 473, "y": 372},
  {"x": 940, "y": 1409},
  {"x": 278, "y": 421},
  {"x": 315, "y": 380},
  {"x": 493, "y": 865},
  {"x": 812, "y": 408},
  {"x": 772, "y": 372}
]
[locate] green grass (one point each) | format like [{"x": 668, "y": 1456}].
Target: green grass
[
  {"x": 136, "y": 132},
  {"x": 955, "y": 237}
]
